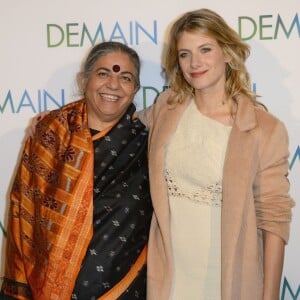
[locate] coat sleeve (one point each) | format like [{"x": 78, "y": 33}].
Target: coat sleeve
[{"x": 271, "y": 187}]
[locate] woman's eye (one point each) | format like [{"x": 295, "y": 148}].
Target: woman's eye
[
  {"x": 102, "y": 74},
  {"x": 205, "y": 49},
  {"x": 126, "y": 78},
  {"x": 183, "y": 54}
]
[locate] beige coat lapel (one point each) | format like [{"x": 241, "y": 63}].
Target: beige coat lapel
[{"x": 166, "y": 121}]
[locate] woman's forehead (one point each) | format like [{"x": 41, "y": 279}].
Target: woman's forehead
[{"x": 115, "y": 61}]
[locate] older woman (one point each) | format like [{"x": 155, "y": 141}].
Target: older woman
[{"x": 80, "y": 207}]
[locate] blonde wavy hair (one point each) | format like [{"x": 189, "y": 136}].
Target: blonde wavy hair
[{"x": 207, "y": 22}]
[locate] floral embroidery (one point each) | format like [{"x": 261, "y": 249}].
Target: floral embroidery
[
  {"x": 50, "y": 202},
  {"x": 74, "y": 127},
  {"x": 68, "y": 155},
  {"x": 48, "y": 139},
  {"x": 209, "y": 195}
]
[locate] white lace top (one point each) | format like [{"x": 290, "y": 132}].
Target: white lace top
[{"x": 193, "y": 171}]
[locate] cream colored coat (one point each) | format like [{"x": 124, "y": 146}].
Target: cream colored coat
[{"x": 255, "y": 197}]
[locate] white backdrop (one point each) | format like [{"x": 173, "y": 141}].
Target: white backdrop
[{"x": 44, "y": 42}]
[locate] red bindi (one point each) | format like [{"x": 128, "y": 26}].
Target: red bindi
[{"x": 116, "y": 68}]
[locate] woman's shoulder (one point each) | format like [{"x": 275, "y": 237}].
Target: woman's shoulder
[
  {"x": 258, "y": 110},
  {"x": 164, "y": 96},
  {"x": 65, "y": 116},
  {"x": 159, "y": 106},
  {"x": 266, "y": 117},
  {"x": 254, "y": 115},
  {"x": 72, "y": 108},
  {"x": 270, "y": 125}
]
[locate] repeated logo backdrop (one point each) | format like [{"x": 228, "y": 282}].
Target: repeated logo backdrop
[{"x": 43, "y": 44}]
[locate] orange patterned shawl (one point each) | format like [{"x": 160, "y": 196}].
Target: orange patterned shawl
[{"x": 50, "y": 216}]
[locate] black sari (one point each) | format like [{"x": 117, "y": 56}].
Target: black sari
[{"x": 122, "y": 211}]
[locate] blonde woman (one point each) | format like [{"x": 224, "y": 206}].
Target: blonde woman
[{"x": 218, "y": 164}]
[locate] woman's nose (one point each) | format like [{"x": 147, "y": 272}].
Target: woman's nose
[
  {"x": 196, "y": 61},
  {"x": 113, "y": 82}
]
